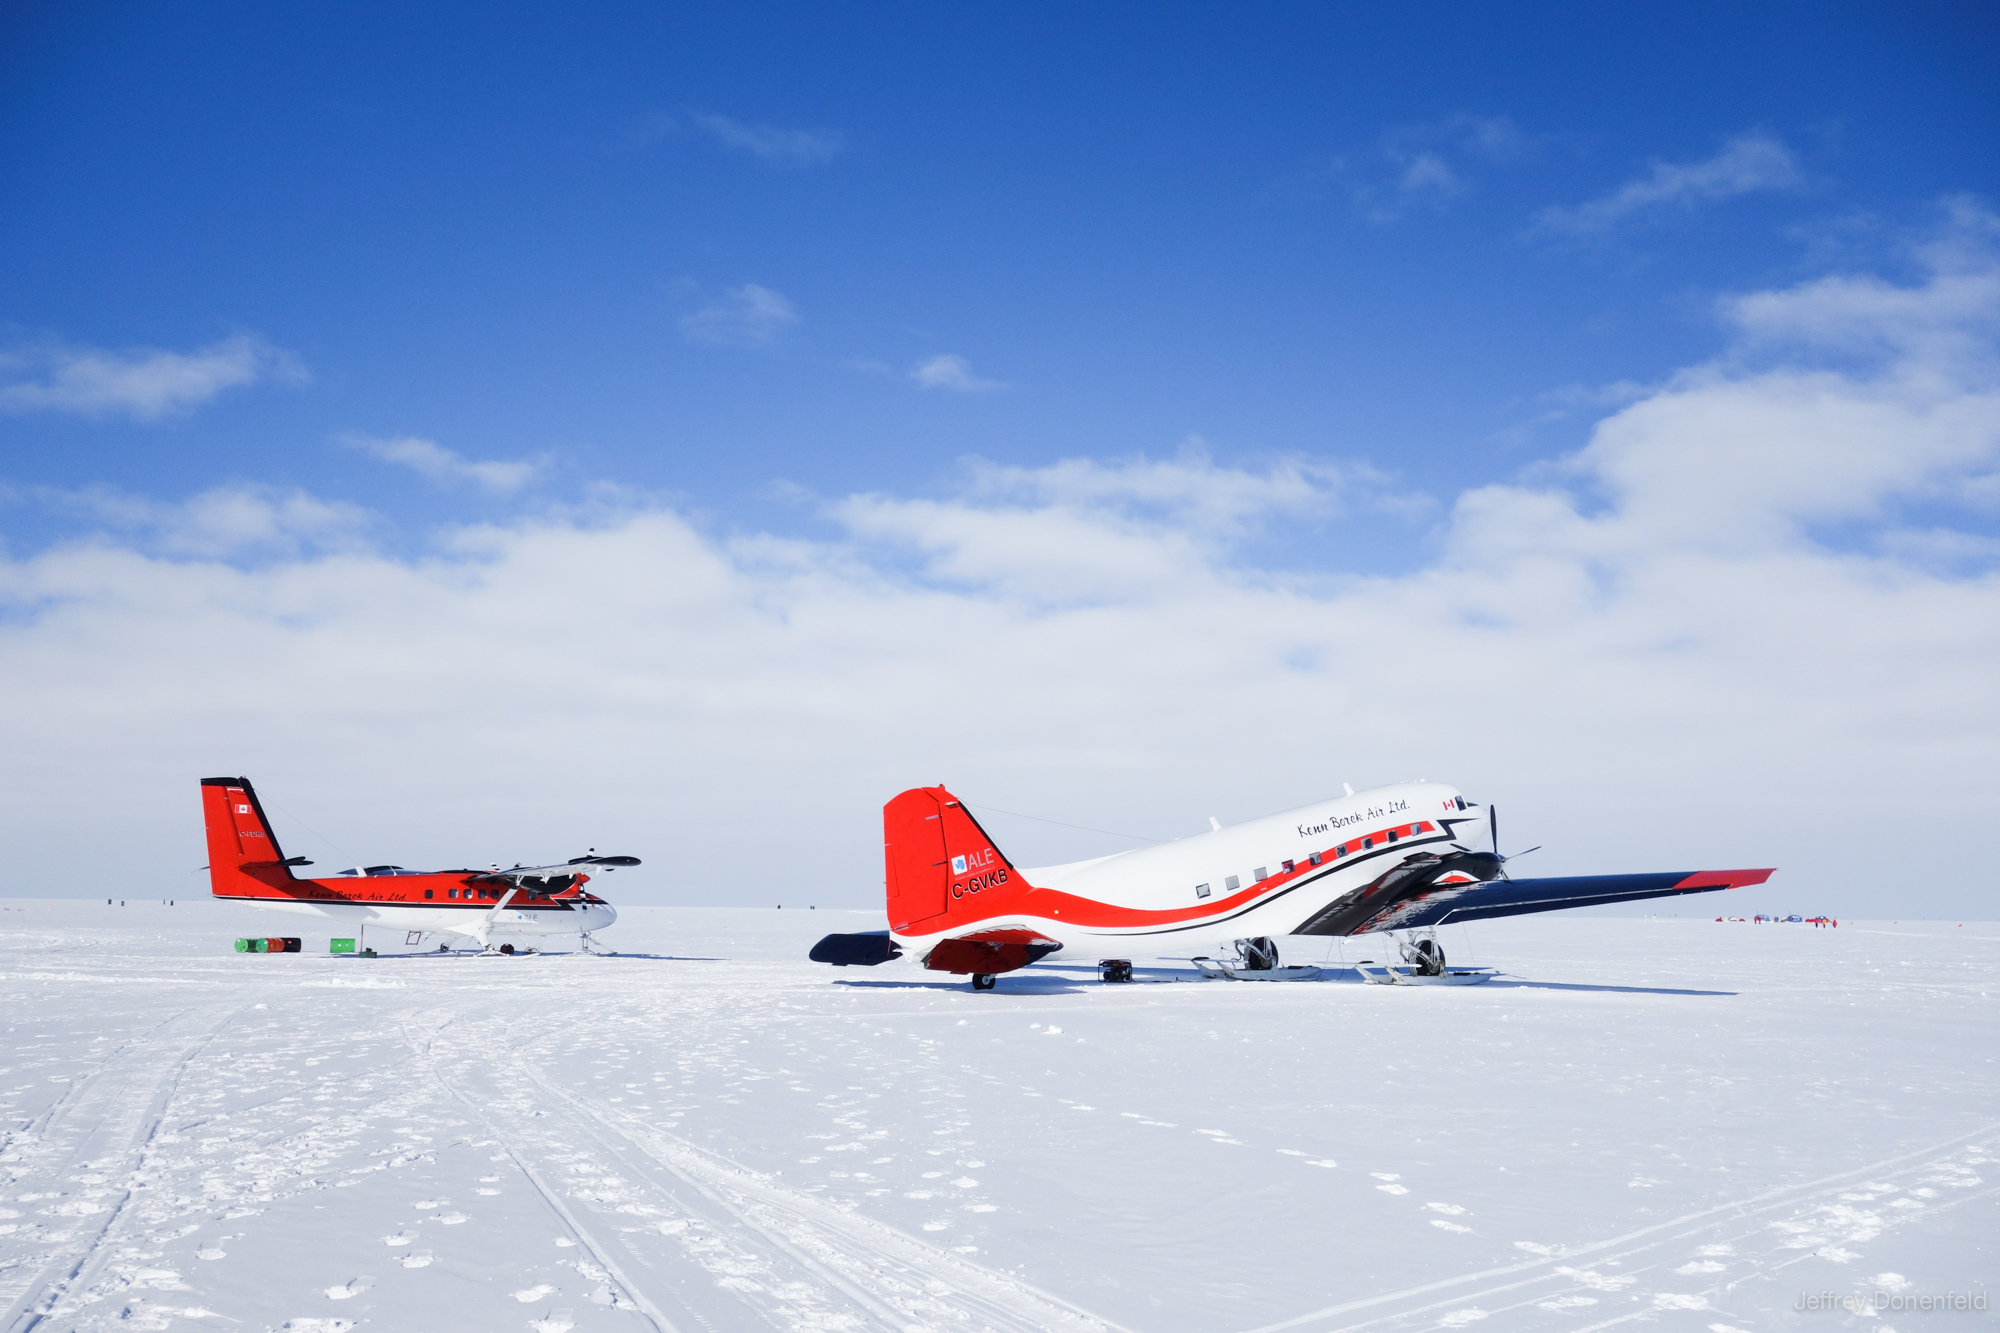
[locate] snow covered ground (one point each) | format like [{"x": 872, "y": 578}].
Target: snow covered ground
[{"x": 1669, "y": 1123}]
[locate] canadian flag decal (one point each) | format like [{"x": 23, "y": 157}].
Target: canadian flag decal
[{"x": 958, "y": 865}]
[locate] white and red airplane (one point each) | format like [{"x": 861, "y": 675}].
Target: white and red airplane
[
  {"x": 1387, "y": 859},
  {"x": 245, "y": 864}
]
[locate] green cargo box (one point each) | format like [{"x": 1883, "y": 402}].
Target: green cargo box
[
  {"x": 340, "y": 946},
  {"x": 252, "y": 946}
]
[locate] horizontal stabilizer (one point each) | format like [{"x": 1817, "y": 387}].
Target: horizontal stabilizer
[
  {"x": 1517, "y": 897},
  {"x": 865, "y": 950},
  {"x": 990, "y": 952}
]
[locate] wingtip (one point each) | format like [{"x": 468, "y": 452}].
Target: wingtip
[{"x": 1727, "y": 879}]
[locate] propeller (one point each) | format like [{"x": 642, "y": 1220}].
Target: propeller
[{"x": 1493, "y": 829}]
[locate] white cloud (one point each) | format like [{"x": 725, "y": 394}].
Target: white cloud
[
  {"x": 1744, "y": 165},
  {"x": 1088, "y": 530},
  {"x": 774, "y": 143},
  {"x": 228, "y": 521},
  {"x": 1428, "y": 173},
  {"x": 1431, "y": 164},
  {"x": 442, "y": 465},
  {"x": 750, "y": 316},
  {"x": 1652, "y": 657},
  {"x": 142, "y": 383},
  {"x": 949, "y": 371}
]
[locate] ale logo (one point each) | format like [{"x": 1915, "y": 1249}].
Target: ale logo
[{"x": 958, "y": 865}]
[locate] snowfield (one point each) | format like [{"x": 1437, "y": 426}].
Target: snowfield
[{"x": 1664, "y": 1123}]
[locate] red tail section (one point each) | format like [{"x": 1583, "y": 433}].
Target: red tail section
[
  {"x": 244, "y": 860},
  {"x": 939, "y": 863}
]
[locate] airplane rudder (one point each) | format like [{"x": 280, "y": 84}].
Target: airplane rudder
[
  {"x": 981, "y": 877},
  {"x": 913, "y": 859},
  {"x": 938, "y": 860},
  {"x": 238, "y": 834}
]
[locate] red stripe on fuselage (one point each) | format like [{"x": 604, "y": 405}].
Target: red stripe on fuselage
[
  {"x": 447, "y": 889},
  {"x": 1019, "y": 898}
]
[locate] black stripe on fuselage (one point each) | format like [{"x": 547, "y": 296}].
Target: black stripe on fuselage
[{"x": 1401, "y": 844}]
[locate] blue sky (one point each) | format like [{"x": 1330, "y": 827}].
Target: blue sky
[
  {"x": 1306, "y": 229},
  {"x": 1008, "y": 310}
]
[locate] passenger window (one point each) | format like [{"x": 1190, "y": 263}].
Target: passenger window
[
  {"x": 1201, "y": 890},
  {"x": 1314, "y": 858},
  {"x": 428, "y": 894},
  {"x": 1232, "y": 883},
  {"x": 1287, "y": 867},
  {"x": 1392, "y": 835},
  {"x": 1262, "y": 874},
  {"x": 1367, "y": 843}
]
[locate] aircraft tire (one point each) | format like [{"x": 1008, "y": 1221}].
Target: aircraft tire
[{"x": 984, "y": 981}]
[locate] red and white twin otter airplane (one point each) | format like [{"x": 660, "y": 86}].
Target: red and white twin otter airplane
[
  {"x": 245, "y": 864},
  {"x": 1388, "y": 859}
]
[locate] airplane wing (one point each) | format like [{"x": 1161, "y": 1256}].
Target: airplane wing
[
  {"x": 575, "y": 865},
  {"x": 1439, "y": 904}
]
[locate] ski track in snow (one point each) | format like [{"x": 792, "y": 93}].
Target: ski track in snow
[{"x": 1673, "y": 1123}]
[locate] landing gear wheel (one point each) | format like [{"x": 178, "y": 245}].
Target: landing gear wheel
[
  {"x": 1117, "y": 969},
  {"x": 1425, "y": 956},
  {"x": 984, "y": 980},
  {"x": 507, "y": 949},
  {"x": 1259, "y": 954}
]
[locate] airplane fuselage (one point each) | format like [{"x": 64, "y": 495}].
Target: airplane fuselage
[
  {"x": 1277, "y": 875},
  {"x": 348, "y": 902}
]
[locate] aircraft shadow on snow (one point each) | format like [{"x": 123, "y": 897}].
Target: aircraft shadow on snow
[
  {"x": 1616, "y": 990},
  {"x": 434, "y": 955},
  {"x": 1018, "y": 984},
  {"x": 1337, "y": 974}
]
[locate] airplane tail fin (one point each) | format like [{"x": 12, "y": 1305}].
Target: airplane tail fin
[
  {"x": 939, "y": 863},
  {"x": 244, "y": 859}
]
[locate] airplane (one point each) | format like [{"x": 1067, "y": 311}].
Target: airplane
[
  {"x": 245, "y": 864},
  {"x": 1384, "y": 860}
]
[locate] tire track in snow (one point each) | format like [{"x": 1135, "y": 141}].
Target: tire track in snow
[
  {"x": 423, "y": 1047},
  {"x": 889, "y": 1279},
  {"x": 714, "y": 1287},
  {"x": 135, "y": 1110},
  {"x": 1557, "y": 1266}
]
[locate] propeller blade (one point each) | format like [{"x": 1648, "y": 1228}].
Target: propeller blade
[{"x": 1493, "y": 826}]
